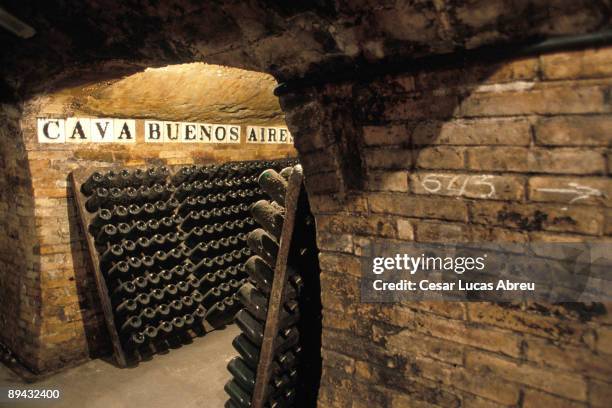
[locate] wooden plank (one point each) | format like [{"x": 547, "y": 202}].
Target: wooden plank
[
  {"x": 78, "y": 177},
  {"x": 277, "y": 294}
]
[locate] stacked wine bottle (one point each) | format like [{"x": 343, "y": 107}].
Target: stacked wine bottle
[
  {"x": 172, "y": 247},
  {"x": 297, "y": 361}
]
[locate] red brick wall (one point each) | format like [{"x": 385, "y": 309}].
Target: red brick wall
[{"x": 367, "y": 148}]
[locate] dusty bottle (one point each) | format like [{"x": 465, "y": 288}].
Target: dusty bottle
[
  {"x": 119, "y": 271},
  {"x": 127, "y": 307},
  {"x": 94, "y": 181},
  {"x": 269, "y": 217},
  {"x": 124, "y": 290},
  {"x": 112, "y": 255},
  {"x": 264, "y": 245},
  {"x": 107, "y": 234},
  {"x": 274, "y": 184},
  {"x": 102, "y": 218}
]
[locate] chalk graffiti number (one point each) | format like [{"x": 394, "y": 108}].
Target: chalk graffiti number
[{"x": 459, "y": 185}]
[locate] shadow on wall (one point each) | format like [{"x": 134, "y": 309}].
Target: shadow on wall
[{"x": 20, "y": 261}]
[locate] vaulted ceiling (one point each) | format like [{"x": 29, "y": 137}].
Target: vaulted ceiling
[{"x": 284, "y": 38}]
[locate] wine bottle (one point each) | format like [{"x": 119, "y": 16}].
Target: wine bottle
[
  {"x": 212, "y": 296},
  {"x": 217, "y": 315},
  {"x": 142, "y": 299},
  {"x": 269, "y": 217},
  {"x": 237, "y": 394},
  {"x": 143, "y": 245},
  {"x": 178, "y": 323},
  {"x": 148, "y": 315},
  {"x": 189, "y": 320},
  {"x": 200, "y": 313},
  {"x": 123, "y": 230},
  {"x": 139, "y": 177},
  {"x": 176, "y": 307},
  {"x": 208, "y": 281},
  {"x": 274, "y": 184},
  {"x": 188, "y": 205},
  {"x": 136, "y": 340},
  {"x": 107, "y": 234},
  {"x": 247, "y": 350},
  {"x": 165, "y": 225},
  {"x": 94, "y": 181},
  {"x": 165, "y": 328},
  {"x": 264, "y": 245},
  {"x": 254, "y": 301},
  {"x": 135, "y": 265},
  {"x": 157, "y": 296},
  {"x": 137, "y": 230},
  {"x": 172, "y": 204},
  {"x": 150, "y": 333},
  {"x": 250, "y": 326},
  {"x": 127, "y": 307},
  {"x": 119, "y": 271},
  {"x": 141, "y": 282},
  {"x": 162, "y": 312},
  {"x": 171, "y": 290},
  {"x": 243, "y": 375},
  {"x": 112, "y": 255},
  {"x": 194, "y": 237},
  {"x": 134, "y": 212},
  {"x": 115, "y": 197},
  {"x": 260, "y": 273},
  {"x": 124, "y": 290},
  {"x": 102, "y": 218},
  {"x": 131, "y": 196}
]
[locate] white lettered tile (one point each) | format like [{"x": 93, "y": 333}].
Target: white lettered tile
[
  {"x": 102, "y": 130},
  {"x": 189, "y": 132},
  {"x": 172, "y": 132},
  {"x": 78, "y": 130},
  {"x": 283, "y": 135},
  {"x": 51, "y": 130},
  {"x": 124, "y": 130},
  {"x": 253, "y": 134},
  {"x": 205, "y": 133},
  {"x": 153, "y": 131},
  {"x": 234, "y": 133},
  {"x": 220, "y": 133}
]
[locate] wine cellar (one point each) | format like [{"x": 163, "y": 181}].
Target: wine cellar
[{"x": 199, "y": 199}]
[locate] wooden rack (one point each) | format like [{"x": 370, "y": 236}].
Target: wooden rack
[
  {"x": 77, "y": 178},
  {"x": 277, "y": 294}
]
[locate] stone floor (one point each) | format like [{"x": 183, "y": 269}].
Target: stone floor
[{"x": 191, "y": 376}]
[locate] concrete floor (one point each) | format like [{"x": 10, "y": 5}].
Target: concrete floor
[{"x": 191, "y": 376}]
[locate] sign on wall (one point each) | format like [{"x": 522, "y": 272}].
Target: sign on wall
[{"x": 109, "y": 130}]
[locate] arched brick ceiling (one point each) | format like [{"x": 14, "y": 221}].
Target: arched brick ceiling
[
  {"x": 284, "y": 38},
  {"x": 195, "y": 92}
]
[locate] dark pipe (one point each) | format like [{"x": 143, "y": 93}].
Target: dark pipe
[{"x": 361, "y": 70}]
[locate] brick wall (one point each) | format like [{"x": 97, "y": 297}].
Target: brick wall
[
  {"x": 460, "y": 155},
  {"x": 19, "y": 280},
  {"x": 45, "y": 280}
]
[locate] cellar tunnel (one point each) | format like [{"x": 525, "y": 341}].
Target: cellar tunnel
[{"x": 397, "y": 144}]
